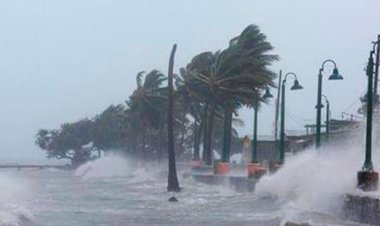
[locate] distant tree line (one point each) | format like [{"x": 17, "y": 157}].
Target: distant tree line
[{"x": 207, "y": 93}]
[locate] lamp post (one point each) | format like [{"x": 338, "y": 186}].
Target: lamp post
[
  {"x": 334, "y": 76},
  {"x": 296, "y": 86},
  {"x": 327, "y": 118},
  {"x": 367, "y": 177},
  {"x": 254, "y": 141},
  {"x": 255, "y": 169}
]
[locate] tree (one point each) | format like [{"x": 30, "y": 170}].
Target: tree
[
  {"x": 111, "y": 128},
  {"x": 191, "y": 104},
  {"x": 148, "y": 105},
  {"x": 231, "y": 77},
  {"x": 173, "y": 184},
  {"x": 69, "y": 142}
]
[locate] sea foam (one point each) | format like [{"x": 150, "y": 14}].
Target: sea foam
[{"x": 105, "y": 167}]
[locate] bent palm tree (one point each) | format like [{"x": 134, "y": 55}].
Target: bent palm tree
[
  {"x": 147, "y": 104},
  {"x": 192, "y": 105},
  {"x": 231, "y": 77},
  {"x": 173, "y": 184}
]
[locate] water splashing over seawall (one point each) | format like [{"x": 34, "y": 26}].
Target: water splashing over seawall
[{"x": 317, "y": 180}]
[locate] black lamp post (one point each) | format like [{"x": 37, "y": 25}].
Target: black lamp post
[
  {"x": 367, "y": 177},
  {"x": 327, "y": 118},
  {"x": 254, "y": 140},
  {"x": 334, "y": 76},
  {"x": 256, "y": 170},
  {"x": 296, "y": 86}
]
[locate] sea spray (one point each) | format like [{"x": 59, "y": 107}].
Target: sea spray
[
  {"x": 14, "y": 191},
  {"x": 316, "y": 180},
  {"x": 236, "y": 158},
  {"x": 105, "y": 167},
  {"x": 12, "y": 187}
]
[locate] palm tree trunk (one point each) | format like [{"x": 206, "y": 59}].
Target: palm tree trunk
[
  {"x": 227, "y": 135},
  {"x": 204, "y": 129},
  {"x": 197, "y": 139},
  {"x": 182, "y": 142},
  {"x": 160, "y": 139},
  {"x": 173, "y": 184},
  {"x": 160, "y": 148},
  {"x": 208, "y": 141},
  {"x": 143, "y": 154}
]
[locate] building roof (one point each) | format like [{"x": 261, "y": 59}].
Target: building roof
[{"x": 261, "y": 137}]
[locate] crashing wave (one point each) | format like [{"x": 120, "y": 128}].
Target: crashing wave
[
  {"x": 105, "y": 167},
  {"x": 13, "y": 191}
]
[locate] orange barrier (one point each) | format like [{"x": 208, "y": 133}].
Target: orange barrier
[
  {"x": 222, "y": 168},
  {"x": 255, "y": 170}
]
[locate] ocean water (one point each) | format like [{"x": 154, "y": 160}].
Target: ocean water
[{"x": 114, "y": 192}]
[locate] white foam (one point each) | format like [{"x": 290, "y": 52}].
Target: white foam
[
  {"x": 14, "y": 191},
  {"x": 105, "y": 167},
  {"x": 236, "y": 158},
  {"x": 141, "y": 174},
  {"x": 315, "y": 180}
]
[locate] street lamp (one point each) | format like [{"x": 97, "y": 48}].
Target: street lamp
[
  {"x": 296, "y": 86},
  {"x": 334, "y": 76},
  {"x": 367, "y": 177},
  {"x": 327, "y": 117},
  {"x": 254, "y": 168},
  {"x": 254, "y": 141}
]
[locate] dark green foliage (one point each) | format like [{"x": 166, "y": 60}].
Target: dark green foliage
[
  {"x": 148, "y": 101},
  {"x": 111, "y": 128},
  {"x": 230, "y": 78},
  {"x": 68, "y": 142}
]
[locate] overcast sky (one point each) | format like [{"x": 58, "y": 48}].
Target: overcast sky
[{"x": 62, "y": 61}]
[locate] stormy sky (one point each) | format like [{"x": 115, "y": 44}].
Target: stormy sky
[{"x": 61, "y": 61}]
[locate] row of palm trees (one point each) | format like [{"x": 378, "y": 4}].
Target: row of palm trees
[
  {"x": 216, "y": 84},
  {"x": 207, "y": 92}
]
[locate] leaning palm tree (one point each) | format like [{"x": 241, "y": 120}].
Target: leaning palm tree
[
  {"x": 231, "y": 77},
  {"x": 110, "y": 128},
  {"x": 147, "y": 104},
  {"x": 191, "y": 104},
  {"x": 173, "y": 184}
]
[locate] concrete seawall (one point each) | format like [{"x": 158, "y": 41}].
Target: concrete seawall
[{"x": 362, "y": 208}]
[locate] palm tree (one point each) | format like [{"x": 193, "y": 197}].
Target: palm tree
[
  {"x": 147, "y": 104},
  {"x": 191, "y": 104},
  {"x": 173, "y": 184},
  {"x": 110, "y": 128},
  {"x": 231, "y": 77}
]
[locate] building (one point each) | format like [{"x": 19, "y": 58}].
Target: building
[{"x": 267, "y": 148}]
